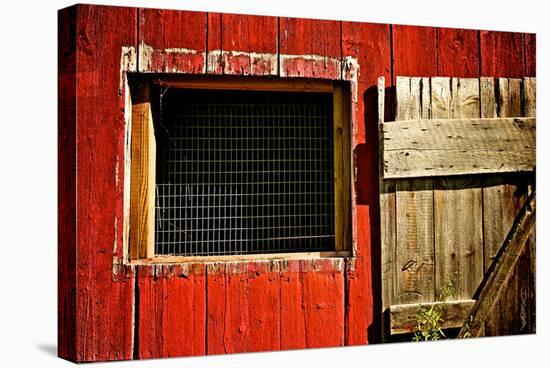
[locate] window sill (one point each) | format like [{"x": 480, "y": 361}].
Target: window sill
[{"x": 241, "y": 258}]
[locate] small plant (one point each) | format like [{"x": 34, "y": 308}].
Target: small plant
[
  {"x": 468, "y": 326},
  {"x": 429, "y": 321}
]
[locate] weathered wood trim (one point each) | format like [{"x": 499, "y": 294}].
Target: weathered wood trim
[
  {"x": 403, "y": 317},
  {"x": 242, "y": 258},
  {"x": 247, "y": 84},
  {"x": 443, "y": 147},
  {"x": 342, "y": 167},
  {"x": 501, "y": 269},
  {"x": 142, "y": 177}
]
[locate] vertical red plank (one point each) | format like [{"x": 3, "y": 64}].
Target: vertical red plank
[
  {"x": 227, "y": 305},
  {"x": 172, "y": 41},
  {"x": 530, "y": 55},
  {"x": 236, "y": 319},
  {"x": 214, "y": 59},
  {"x": 323, "y": 299},
  {"x": 457, "y": 53},
  {"x": 502, "y": 54},
  {"x": 263, "y": 290},
  {"x": 66, "y": 212},
  {"x": 414, "y": 51},
  {"x": 104, "y": 297},
  {"x": 249, "y": 44},
  {"x": 293, "y": 323},
  {"x": 369, "y": 45},
  {"x": 243, "y": 307},
  {"x": 215, "y": 306},
  {"x": 310, "y": 48},
  {"x": 171, "y": 317}
]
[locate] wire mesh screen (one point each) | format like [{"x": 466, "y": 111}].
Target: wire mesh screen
[{"x": 244, "y": 173}]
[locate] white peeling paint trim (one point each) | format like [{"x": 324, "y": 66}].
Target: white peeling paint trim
[{"x": 146, "y": 53}]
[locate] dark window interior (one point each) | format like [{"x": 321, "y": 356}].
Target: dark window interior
[{"x": 243, "y": 172}]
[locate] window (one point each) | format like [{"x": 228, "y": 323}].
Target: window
[{"x": 239, "y": 167}]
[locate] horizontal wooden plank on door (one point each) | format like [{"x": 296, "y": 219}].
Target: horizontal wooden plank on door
[
  {"x": 404, "y": 317},
  {"x": 458, "y": 147}
]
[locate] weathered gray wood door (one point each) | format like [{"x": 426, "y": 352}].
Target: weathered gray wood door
[{"x": 440, "y": 219}]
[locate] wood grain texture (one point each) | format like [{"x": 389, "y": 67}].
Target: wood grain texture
[
  {"x": 530, "y": 55},
  {"x": 423, "y": 148},
  {"x": 369, "y": 45},
  {"x": 414, "y": 51},
  {"x": 414, "y": 253},
  {"x": 414, "y": 259},
  {"x": 171, "y": 307},
  {"x": 502, "y": 196},
  {"x": 502, "y": 54},
  {"x": 172, "y": 41},
  {"x": 66, "y": 184},
  {"x": 404, "y": 317},
  {"x": 309, "y": 48},
  {"x": 457, "y": 52},
  {"x": 104, "y": 299},
  {"x": 293, "y": 319},
  {"x": 243, "y": 307},
  {"x": 503, "y": 281},
  {"x": 248, "y": 45},
  {"x": 458, "y": 204},
  {"x": 342, "y": 167},
  {"x": 143, "y": 176}
]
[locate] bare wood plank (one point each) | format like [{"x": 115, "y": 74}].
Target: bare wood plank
[
  {"x": 458, "y": 147},
  {"x": 529, "y": 97},
  {"x": 342, "y": 167},
  {"x": 142, "y": 180},
  {"x": 458, "y": 201},
  {"x": 503, "y": 196},
  {"x": 243, "y": 258},
  {"x": 502, "y": 270},
  {"x": 246, "y": 84},
  {"x": 403, "y": 318},
  {"x": 530, "y": 109},
  {"x": 387, "y": 224},
  {"x": 414, "y": 266}
]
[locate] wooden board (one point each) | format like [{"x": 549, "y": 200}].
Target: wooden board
[
  {"x": 342, "y": 167},
  {"x": 104, "y": 299},
  {"x": 369, "y": 45},
  {"x": 403, "y": 317},
  {"x": 249, "y": 45},
  {"x": 502, "y": 54},
  {"x": 501, "y": 306},
  {"x": 170, "y": 303},
  {"x": 457, "y": 201},
  {"x": 421, "y": 148},
  {"x": 171, "y": 41},
  {"x": 530, "y": 54},
  {"x": 66, "y": 185},
  {"x": 143, "y": 174},
  {"x": 309, "y": 48},
  {"x": 457, "y": 52}
]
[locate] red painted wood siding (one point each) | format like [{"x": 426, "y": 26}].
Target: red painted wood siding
[{"x": 108, "y": 312}]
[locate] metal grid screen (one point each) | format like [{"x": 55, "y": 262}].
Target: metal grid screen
[{"x": 244, "y": 173}]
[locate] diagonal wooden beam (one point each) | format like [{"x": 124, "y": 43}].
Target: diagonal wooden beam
[{"x": 498, "y": 274}]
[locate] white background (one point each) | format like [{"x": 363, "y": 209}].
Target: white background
[{"x": 28, "y": 182}]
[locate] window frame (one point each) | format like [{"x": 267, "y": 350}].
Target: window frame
[{"x": 141, "y": 160}]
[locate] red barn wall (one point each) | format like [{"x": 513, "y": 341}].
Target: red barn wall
[{"x": 109, "y": 311}]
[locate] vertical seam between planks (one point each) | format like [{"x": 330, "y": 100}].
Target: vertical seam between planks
[
  {"x": 135, "y": 346},
  {"x": 206, "y": 307},
  {"x": 342, "y": 54},
  {"x": 436, "y": 52},
  {"x": 480, "y": 69},
  {"x": 392, "y": 72},
  {"x": 206, "y": 51},
  {"x": 138, "y": 12},
  {"x": 346, "y": 298},
  {"x": 278, "y": 46},
  {"x": 221, "y": 45},
  {"x": 524, "y": 58}
]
